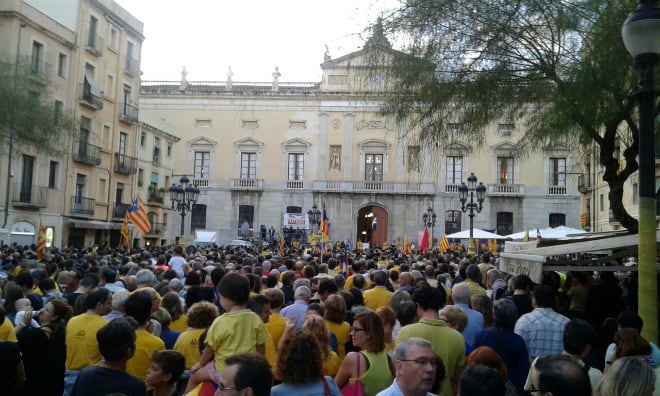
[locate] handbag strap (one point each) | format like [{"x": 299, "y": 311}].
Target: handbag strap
[
  {"x": 357, "y": 372},
  {"x": 326, "y": 388}
]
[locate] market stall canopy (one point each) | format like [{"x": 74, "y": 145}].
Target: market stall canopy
[
  {"x": 477, "y": 233},
  {"x": 549, "y": 232},
  {"x": 533, "y": 262}
]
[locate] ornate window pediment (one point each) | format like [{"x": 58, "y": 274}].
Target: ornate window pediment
[
  {"x": 456, "y": 149},
  {"x": 248, "y": 144},
  {"x": 506, "y": 149},
  {"x": 202, "y": 144},
  {"x": 375, "y": 146},
  {"x": 296, "y": 145}
]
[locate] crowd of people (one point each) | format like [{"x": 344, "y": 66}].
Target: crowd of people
[{"x": 221, "y": 321}]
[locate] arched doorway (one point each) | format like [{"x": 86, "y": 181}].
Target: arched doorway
[{"x": 372, "y": 225}]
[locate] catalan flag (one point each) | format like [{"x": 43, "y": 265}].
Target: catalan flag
[
  {"x": 526, "y": 237},
  {"x": 405, "y": 248},
  {"x": 324, "y": 224},
  {"x": 138, "y": 216},
  {"x": 41, "y": 240},
  {"x": 492, "y": 245},
  {"x": 281, "y": 246},
  {"x": 125, "y": 237},
  {"x": 444, "y": 243}
]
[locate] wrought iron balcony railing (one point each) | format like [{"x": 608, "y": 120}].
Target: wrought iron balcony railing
[
  {"x": 86, "y": 153},
  {"x": 29, "y": 196},
  {"x": 82, "y": 205},
  {"x": 125, "y": 164}
]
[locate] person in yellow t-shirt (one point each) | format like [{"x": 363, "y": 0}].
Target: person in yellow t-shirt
[
  {"x": 260, "y": 305},
  {"x": 138, "y": 306},
  {"x": 335, "y": 313},
  {"x": 379, "y": 296},
  {"x": 200, "y": 317},
  {"x": 82, "y": 348},
  {"x": 276, "y": 322},
  {"x": 238, "y": 330},
  {"x": 7, "y": 332},
  {"x": 315, "y": 325}
]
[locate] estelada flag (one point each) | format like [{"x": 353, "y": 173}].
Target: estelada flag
[
  {"x": 138, "y": 216},
  {"x": 444, "y": 243},
  {"x": 41, "y": 240},
  {"x": 125, "y": 237}
]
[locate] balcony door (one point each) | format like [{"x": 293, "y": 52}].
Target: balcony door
[{"x": 27, "y": 178}]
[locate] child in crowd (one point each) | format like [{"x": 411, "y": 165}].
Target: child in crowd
[
  {"x": 164, "y": 372},
  {"x": 238, "y": 330},
  {"x": 23, "y": 306}
]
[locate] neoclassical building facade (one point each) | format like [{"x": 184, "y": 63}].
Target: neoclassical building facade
[{"x": 260, "y": 151}]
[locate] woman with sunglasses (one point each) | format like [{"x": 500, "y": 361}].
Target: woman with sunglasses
[{"x": 372, "y": 364}]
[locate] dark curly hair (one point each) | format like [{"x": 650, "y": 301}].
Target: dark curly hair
[{"x": 300, "y": 359}]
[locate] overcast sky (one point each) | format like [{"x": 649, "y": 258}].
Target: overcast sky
[{"x": 250, "y": 36}]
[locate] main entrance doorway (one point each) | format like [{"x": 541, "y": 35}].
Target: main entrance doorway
[{"x": 372, "y": 225}]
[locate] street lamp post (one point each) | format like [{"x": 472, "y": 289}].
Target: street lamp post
[
  {"x": 314, "y": 216},
  {"x": 471, "y": 206},
  {"x": 183, "y": 197},
  {"x": 640, "y": 36},
  {"x": 429, "y": 220}
]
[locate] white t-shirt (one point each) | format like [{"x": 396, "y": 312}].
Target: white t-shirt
[{"x": 177, "y": 263}]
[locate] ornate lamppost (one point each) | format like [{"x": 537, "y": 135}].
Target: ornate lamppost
[
  {"x": 429, "y": 220},
  {"x": 471, "y": 188},
  {"x": 641, "y": 33},
  {"x": 183, "y": 197}
]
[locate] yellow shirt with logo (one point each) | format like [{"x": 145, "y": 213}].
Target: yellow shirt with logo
[
  {"x": 188, "y": 345},
  {"x": 82, "y": 350}
]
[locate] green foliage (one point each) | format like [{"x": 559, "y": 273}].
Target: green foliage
[
  {"x": 29, "y": 110},
  {"x": 557, "y": 68}
]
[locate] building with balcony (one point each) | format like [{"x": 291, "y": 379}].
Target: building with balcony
[
  {"x": 258, "y": 151},
  {"x": 155, "y": 167},
  {"x": 87, "y": 53}
]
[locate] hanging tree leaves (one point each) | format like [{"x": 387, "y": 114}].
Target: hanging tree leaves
[
  {"x": 28, "y": 109},
  {"x": 558, "y": 67}
]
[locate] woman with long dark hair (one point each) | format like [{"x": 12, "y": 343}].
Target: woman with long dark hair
[{"x": 43, "y": 348}]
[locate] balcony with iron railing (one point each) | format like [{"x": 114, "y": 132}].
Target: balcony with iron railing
[
  {"x": 125, "y": 164},
  {"x": 506, "y": 190},
  {"x": 157, "y": 229},
  {"x": 247, "y": 184},
  {"x": 155, "y": 158},
  {"x": 128, "y": 113},
  {"x": 89, "y": 98},
  {"x": 39, "y": 70},
  {"x": 374, "y": 187},
  {"x": 86, "y": 153},
  {"x": 82, "y": 206},
  {"x": 95, "y": 44},
  {"x": 295, "y": 184},
  {"x": 584, "y": 182},
  {"x": 132, "y": 66},
  {"x": 119, "y": 211},
  {"x": 557, "y": 190},
  {"x": 200, "y": 183},
  {"x": 29, "y": 196}
]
